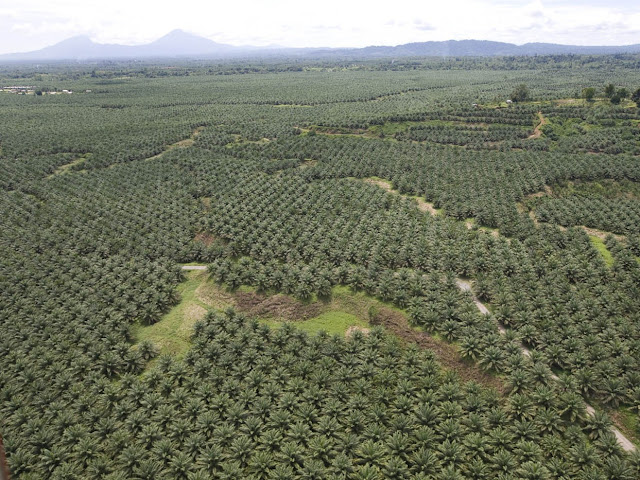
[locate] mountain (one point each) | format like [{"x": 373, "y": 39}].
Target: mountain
[
  {"x": 175, "y": 44},
  {"x": 481, "y": 48},
  {"x": 178, "y": 43},
  {"x": 182, "y": 44}
]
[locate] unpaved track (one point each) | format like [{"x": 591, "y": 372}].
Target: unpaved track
[
  {"x": 466, "y": 286},
  {"x": 194, "y": 267},
  {"x": 623, "y": 441},
  {"x": 537, "y": 132}
]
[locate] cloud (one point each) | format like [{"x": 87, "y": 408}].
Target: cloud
[{"x": 422, "y": 25}]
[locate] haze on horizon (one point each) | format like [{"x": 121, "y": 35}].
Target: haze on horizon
[{"x": 335, "y": 23}]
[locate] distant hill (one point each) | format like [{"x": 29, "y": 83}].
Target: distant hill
[
  {"x": 175, "y": 44},
  {"x": 182, "y": 44},
  {"x": 483, "y": 48}
]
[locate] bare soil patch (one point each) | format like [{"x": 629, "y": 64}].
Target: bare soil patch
[
  {"x": 546, "y": 192},
  {"x": 276, "y": 306},
  {"x": 257, "y": 304},
  {"x": 601, "y": 234},
  {"x": 205, "y": 238},
  {"x": 352, "y": 330},
  {"x": 308, "y": 163}
]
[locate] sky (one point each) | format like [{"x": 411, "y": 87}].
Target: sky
[{"x": 33, "y": 24}]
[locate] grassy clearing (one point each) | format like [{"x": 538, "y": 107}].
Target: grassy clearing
[
  {"x": 599, "y": 245},
  {"x": 340, "y": 314},
  {"x": 343, "y": 309},
  {"x": 172, "y": 333},
  {"x": 198, "y": 295},
  {"x": 332, "y": 322}
]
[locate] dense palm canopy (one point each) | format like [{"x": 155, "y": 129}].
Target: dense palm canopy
[{"x": 258, "y": 172}]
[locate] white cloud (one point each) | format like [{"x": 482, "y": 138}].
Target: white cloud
[{"x": 328, "y": 23}]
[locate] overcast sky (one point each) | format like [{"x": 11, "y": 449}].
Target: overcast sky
[{"x": 34, "y": 24}]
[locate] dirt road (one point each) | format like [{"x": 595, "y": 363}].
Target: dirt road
[{"x": 537, "y": 132}]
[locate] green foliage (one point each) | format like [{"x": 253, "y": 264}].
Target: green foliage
[
  {"x": 588, "y": 93},
  {"x": 520, "y": 93},
  {"x": 607, "y": 205},
  {"x": 635, "y": 97},
  {"x": 609, "y": 90},
  {"x": 91, "y": 248}
]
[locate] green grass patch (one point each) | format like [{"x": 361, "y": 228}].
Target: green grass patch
[
  {"x": 246, "y": 289},
  {"x": 172, "y": 333},
  {"x": 357, "y": 303},
  {"x": 599, "y": 245},
  {"x": 332, "y": 322},
  {"x": 345, "y": 308},
  {"x": 629, "y": 422}
]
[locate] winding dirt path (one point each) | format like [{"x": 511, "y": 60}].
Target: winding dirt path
[
  {"x": 626, "y": 444},
  {"x": 537, "y": 132}
]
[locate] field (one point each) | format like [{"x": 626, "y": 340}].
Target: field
[{"x": 398, "y": 274}]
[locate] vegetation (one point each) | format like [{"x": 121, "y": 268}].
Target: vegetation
[
  {"x": 520, "y": 94},
  {"x": 296, "y": 184},
  {"x": 588, "y": 93},
  {"x": 635, "y": 97}
]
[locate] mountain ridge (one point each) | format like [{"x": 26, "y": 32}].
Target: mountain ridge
[{"x": 179, "y": 43}]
